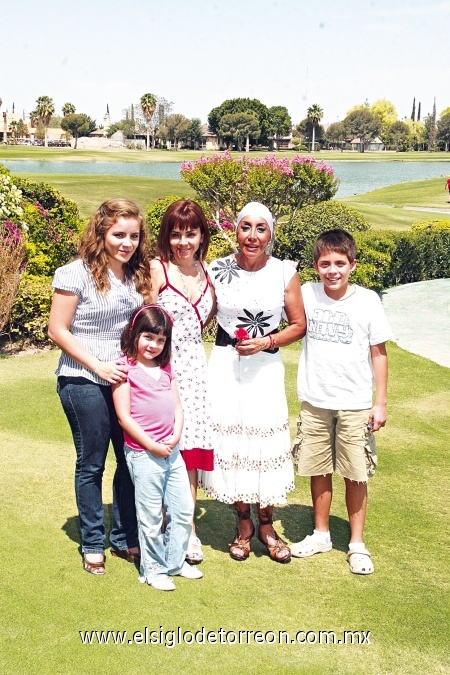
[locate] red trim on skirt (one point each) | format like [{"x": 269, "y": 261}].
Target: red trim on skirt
[{"x": 198, "y": 458}]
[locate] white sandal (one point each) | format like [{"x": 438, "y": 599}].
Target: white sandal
[
  {"x": 309, "y": 546},
  {"x": 360, "y": 562},
  {"x": 194, "y": 553}
]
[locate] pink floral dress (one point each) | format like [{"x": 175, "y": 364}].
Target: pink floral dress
[{"x": 189, "y": 366}]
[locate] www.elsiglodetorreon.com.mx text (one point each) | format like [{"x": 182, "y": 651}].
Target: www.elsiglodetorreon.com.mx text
[{"x": 172, "y": 638}]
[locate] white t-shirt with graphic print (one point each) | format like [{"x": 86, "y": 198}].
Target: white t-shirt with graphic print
[{"x": 335, "y": 369}]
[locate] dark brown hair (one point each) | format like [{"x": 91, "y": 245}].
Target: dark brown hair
[
  {"x": 147, "y": 319},
  {"x": 184, "y": 214},
  {"x": 92, "y": 245},
  {"x": 338, "y": 241}
]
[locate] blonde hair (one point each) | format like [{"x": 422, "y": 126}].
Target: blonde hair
[{"x": 92, "y": 245}]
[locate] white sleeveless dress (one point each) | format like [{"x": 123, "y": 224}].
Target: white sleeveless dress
[{"x": 252, "y": 459}]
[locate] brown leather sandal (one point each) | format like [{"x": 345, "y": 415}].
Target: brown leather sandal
[
  {"x": 239, "y": 543},
  {"x": 94, "y": 567},
  {"x": 277, "y": 551},
  {"x": 127, "y": 555}
]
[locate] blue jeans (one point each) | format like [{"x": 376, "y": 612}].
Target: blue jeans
[
  {"x": 161, "y": 481},
  {"x": 93, "y": 421}
]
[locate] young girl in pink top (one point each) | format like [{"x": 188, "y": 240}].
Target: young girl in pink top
[{"x": 149, "y": 411}]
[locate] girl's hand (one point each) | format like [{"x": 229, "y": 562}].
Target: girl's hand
[
  {"x": 161, "y": 450},
  {"x": 112, "y": 371},
  {"x": 171, "y": 441}
]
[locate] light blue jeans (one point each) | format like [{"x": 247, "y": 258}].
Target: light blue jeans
[{"x": 161, "y": 482}]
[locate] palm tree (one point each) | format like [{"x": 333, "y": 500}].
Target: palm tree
[
  {"x": 314, "y": 115},
  {"x": 13, "y": 130},
  {"x": 68, "y": 109},
  {"x": 148, "y": 105},
  {"x": 44, "y": 111}
]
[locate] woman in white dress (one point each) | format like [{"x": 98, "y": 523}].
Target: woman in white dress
[
  {"x": 252, "y": 461},
  {"x": 180, "y": 285}
]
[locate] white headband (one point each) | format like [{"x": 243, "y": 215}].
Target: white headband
[{"x": 256, "y": 209}]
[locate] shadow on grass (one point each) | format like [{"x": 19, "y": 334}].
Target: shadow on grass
[{"x": 216, "y": 524}]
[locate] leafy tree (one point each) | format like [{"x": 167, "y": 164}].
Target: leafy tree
[
  {"x": 280, "y": 122},
  {"x": 387, "y": 114},
  {"x": 239, "y": 127},
  {"x": 314, "y": 115},
  {"x": 399, "y": 134},
  {"x": 148, "y": 106},
  {"x": 362, "y": 123},
  {"x": 78, "y": 125},
  {"x": 242, "y": 105},
  {"x": 335, "y": 134},
  {"x": 43, "y": 112},
  {"x": 22, "y": 129},
  {"x": 446, "y": 111},
  {"x": 193, "y": 135},
  {"x": 55, "y": 122},
  {"x": 68, "y": 109},
  {"x": 443, "y": 130},
  {"x": 177, "y": 125}
]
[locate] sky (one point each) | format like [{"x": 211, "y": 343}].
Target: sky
[{"x": 198, "y": 53}]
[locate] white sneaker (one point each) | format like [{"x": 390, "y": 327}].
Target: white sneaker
[
  {"x": 162, "y": 583},
  {"x": 188, "y": 572}
]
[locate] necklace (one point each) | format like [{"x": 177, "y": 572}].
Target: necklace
[{"x": 197, "y": 279}]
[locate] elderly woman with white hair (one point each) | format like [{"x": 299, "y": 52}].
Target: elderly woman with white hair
[{"x": 246, "y": 380}]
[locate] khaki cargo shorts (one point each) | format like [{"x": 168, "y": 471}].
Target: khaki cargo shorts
[{"x": 334, "y": 441}]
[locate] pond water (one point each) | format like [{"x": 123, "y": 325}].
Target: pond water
[{"x": 356, "y": 177}]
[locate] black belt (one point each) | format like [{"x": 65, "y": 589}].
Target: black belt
[{"x": 223, "y": 340}]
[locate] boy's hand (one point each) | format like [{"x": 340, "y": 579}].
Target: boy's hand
[{"x": 377, "y": 417}]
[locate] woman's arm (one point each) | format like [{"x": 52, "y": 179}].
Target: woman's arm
[
  {"x": 213, "y": 311},
  {"x": 158, "y": 281},
  {"x": 64, "y": 305},
  {"x": 295, "y": 312},
  {"x": 121, "y": 398}
]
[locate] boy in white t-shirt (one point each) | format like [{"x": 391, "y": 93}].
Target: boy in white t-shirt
[{"x": 343, "y": 355}]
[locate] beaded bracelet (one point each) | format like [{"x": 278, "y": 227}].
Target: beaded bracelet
[{"x": 272, "y": 343}]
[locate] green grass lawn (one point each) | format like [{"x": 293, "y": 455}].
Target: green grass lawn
[
  {"x": 89, "y": 191},
  {"x": 385, "y": 208},
  {"x": 47, "y": 598},
  {"x": 68, "y": 154}
]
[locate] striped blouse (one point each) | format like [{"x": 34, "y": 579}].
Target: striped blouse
[{"x": 99, "y": 318}]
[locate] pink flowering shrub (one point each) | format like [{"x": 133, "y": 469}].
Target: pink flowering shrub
[{"x": 283, "y": 184}]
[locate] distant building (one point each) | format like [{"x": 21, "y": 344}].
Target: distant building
[
  {"x": 375, "y": 145},
  {"x": 210, "y": 140}
]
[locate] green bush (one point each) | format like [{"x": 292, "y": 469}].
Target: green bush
[
  {"x": 31, "y": 309},
  {"x": 50, "y": 243},
  {"x": 295, "y": 240},
  {"x": 59, "y": 208}
]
